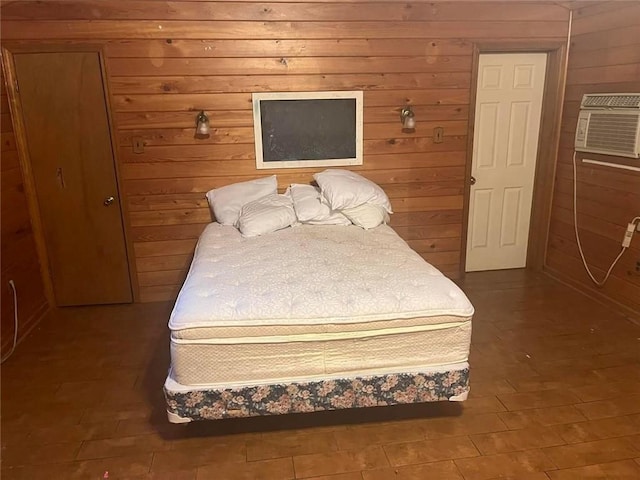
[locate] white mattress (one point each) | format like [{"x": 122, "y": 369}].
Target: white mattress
[{"x": 309, "y": 302}]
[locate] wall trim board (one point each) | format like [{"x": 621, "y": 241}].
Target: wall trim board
[
  {"x": 8, "y": 51},
  {"x": 27, "y": 174},
  {"x": 549, "y": 139},
  {"x": 20, "y": 257},
  {"x": 593, "y": 293}
]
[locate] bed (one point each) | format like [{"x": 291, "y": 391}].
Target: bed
[{"x": 311, "y": 318}]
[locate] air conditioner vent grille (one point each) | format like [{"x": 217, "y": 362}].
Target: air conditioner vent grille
[
  {"x": 611, "y": 100},
  {"x": 613, "y": 132}
]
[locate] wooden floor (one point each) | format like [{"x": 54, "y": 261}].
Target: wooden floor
[{"x": 555, "y": 394}]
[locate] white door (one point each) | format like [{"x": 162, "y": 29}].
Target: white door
[{"x": 505, "y": 146}]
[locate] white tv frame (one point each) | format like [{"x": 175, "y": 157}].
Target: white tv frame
[{"x": 333, "y": 162}]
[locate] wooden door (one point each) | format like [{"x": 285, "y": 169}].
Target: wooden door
[
  {"x": 505, "y": 146},
  {"x": 64, "y": 111}
]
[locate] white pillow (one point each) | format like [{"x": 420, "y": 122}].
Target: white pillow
[
  {"x": 309, "y": 208},
  {"x": 266, "y": 215},
  {"x": 226, "y": 202},
  {"x": 367, "y": 216},
  {"x": 345, "y": 189},
  {"x": 334, "y": 218}
]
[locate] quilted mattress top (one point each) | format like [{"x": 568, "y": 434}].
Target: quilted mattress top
[{"x": 310, "y": 274}]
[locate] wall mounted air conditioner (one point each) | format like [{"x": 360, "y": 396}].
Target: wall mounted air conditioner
[{"x": 609, "y": 124}]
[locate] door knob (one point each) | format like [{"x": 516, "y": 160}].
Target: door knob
[
  {"x": 108, "y": 201},
  {"x": 473, "y": 180}
]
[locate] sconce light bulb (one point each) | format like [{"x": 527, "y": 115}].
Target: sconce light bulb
[
  {"x": 202, "y": 125},
  {"x": 203, "y": 128},
  {"x": 410, "y": 122}
]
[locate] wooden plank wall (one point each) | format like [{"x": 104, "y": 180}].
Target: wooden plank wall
[
  {"x": 604, "y": 57},
  {"x": 168, "y": 60},
  {"x": 18, "y": 252}
]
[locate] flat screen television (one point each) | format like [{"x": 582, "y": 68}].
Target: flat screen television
[{"x": 307, "y": 129}]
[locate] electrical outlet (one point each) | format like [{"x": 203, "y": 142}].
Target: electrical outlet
[
  {"x": 138, "y": 144},
  {"x": 438, "y": 135}
]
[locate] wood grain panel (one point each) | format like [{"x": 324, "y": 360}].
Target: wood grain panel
[
  {"x": 184, "y": 153},
  {"x": 605, "y": 195},
  {"x": 4, "y": 102},
  {"x": 164, "y": 262},
  {"x": 596, "y": 225},
  {"x": 603, "y": 58},
  {"x": 200, "y": 83},
  {"x": 159, "y": 293},
  {"x": 591, "y": 207},
  {"x": 152, "y": 233},
  {"x": 606, "y": 74},
  {"x": 239, "y": 118},
  {"x": 607, "y": 19},
  {"x": 608, "y": 39},
  {"x": 164, "y": 277},
  {"x": 617, "y": 289},
  {"x": 575, "y": 91},
  {"x": 242, "y": 101},
  {"x": 453, "y": 155},
  {"x": 623, "y": 55},
  {"x": 185, "y": 136},
  {"x": 401, "y": 145},
  {"x": 600, "y": 250},
  {"x": 204, "y": 29},
  {"x": 286, "y": 48},
  {"x": 451, "y": 94},
  {"x": 408, "y": 190},
  {"x": 5, "y": 122},
  {"x": 141, "y": 203},
  {"x": 201, "y": 171},
  {"x": 141, "y": 103},
  {"x": 439, "y": 217},
  {"x": 448, "y": 244},
  {"x": 7, "y": 142},
  {"x": 588, "y": 8},
  {"x": 441, "y": 258},
  {"x": 170, "y": 217},
  {"x": 300, "y": 11},
  {"x": 599, "y": 175},
  {"x": 10, "y": 161},
  {"x": 449, "y": 202},
  {"x": 421, "y": 232},
  {"x": 161, "y": 248},
  {"x": 446, "y": 193},
  {"x": 17, "y": 252},
  {"x": 181, "y": 119},
  {"x": 287, "y": 66},
  {"x": 166, "y": 61}
]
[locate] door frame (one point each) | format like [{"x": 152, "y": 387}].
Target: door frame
[
  {"x": 15, "y": 108},
  {"x": 550, "y": 120}
]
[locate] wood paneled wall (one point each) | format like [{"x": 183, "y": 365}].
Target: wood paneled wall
[
  {"x": 168, "y": 60},
  {"x": 19, "y": 259},
  {"x": 604, "y": 56}
]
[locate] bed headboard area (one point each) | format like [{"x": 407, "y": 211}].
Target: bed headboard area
[{"x": 163, "y": 66}]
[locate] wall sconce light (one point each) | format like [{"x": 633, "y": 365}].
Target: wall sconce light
[
  {"x": 202, "y": 125},
  {"x": 408, "y": 119}
]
